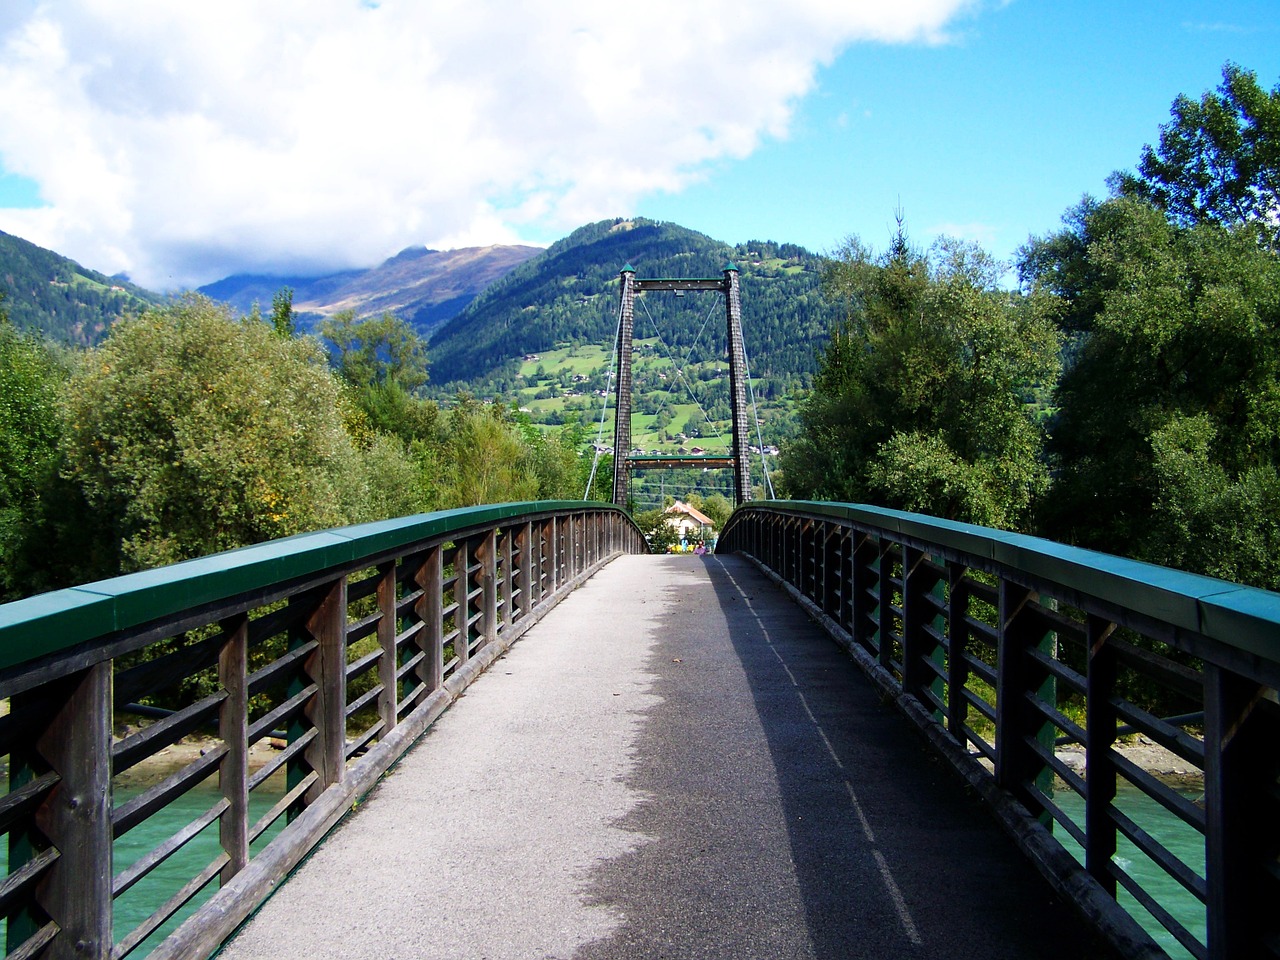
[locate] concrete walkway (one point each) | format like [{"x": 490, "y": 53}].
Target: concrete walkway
[{"x": 674, "y": 763}]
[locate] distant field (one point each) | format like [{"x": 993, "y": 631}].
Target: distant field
[{"x": 568, "y": 390}]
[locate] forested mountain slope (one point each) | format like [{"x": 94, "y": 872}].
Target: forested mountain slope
[
  {"x": 569, "y": 294},
  {"x": 44, "y": 291}
]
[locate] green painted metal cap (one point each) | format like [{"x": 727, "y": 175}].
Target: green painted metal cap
[
  {"x": 730, "y": 266},
  {"x": 627, "y": 268}
]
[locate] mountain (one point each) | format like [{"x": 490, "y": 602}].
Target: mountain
[
  {"x": 44, "y": 291},
  {"x": 422, "y": 286},
  {"x": 569, "y": 294}
]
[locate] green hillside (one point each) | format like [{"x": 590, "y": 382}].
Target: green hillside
[
  {"x": 59, "y": 298},
  {"x": 569, "y": 294},
  {"x": 542, "y": 338}
]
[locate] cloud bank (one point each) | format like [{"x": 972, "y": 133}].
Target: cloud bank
[{"x": 181, "y": 142}]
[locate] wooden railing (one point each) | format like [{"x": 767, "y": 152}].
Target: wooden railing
[
  {"x": 1006, "y": 648},
  {"x": 341, "y": 647}
]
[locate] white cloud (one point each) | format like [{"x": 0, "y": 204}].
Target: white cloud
[{"x": 185, "y": 141}]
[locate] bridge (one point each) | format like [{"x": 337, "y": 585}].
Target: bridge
[{"x": 850, "y": 732}]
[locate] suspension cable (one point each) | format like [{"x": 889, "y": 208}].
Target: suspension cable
[
  {"x": 604, "y": 407},
  {"x": 678, "y": 371},
  {"x": 755, "y": 415}
]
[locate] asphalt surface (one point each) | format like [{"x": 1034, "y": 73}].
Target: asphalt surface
[{"x": 675, "y": 763}]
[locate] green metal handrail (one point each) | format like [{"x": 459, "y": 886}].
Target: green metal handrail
[
  {"x": 351, "y": 641},
  {"x": 992, "y": 642}
]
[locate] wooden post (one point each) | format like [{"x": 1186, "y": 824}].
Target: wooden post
[
  {"x": 884, "y": 601},
  {"x": 622, "y": 404},
  {"x": 1240, "y": 772},
  {"x": 958, "y": 642},
  {"x": 553, "y": 570},
  {"x": 506, "y": 616},
  {"x": 327, "y": 710},
  {"x": 832, "y": 582},
  {"x": 233, "y": 728},
  {"x": 75, "y": 892},
  {"x": 430, "y": 611},
  {"x": 389, "y": 698},
  {"x": 919, "y": 581},
  {"x": 488, "y": 576},
  {"x": 1016, "y": 763},
  {"x": 462, "y": 604},
  {"x": 1100, "y": 726},
  {"x": 527, "y": 568},
  {"x": 863, "y": 627}
]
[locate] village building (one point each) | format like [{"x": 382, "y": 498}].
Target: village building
[{"x": 689, "y": 522}]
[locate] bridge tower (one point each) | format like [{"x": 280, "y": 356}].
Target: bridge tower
[{"x": 623, "y": 460}]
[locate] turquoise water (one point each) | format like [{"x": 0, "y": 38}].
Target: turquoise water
[
  {"x": 142, "y": 899},
  {"x": 1179, "y": 838},
  {"x": 138, "y": 903}
]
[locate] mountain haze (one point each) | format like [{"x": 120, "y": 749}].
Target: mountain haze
[{"x": 424, "y": 287}]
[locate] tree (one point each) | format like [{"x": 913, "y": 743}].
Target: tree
[
  {"x": 1218, "y": 159},
  {"x": 484, "y": 458},
  {"x": 30, "y": 378},
  {"x": 922, "y": 399},
  {"x": 282, "y": 318},
  {"x": 377, "y": 350},
  {"x": 196, "y": 433},
  {"x": 1168, "y": 419}
]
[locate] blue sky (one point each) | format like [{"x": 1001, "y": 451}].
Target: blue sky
[
  {"x": 191, "y": 141},
  {"x": 991, "y": 137}
]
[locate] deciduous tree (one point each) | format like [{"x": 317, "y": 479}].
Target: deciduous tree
[{"x": 922, "y": 399}]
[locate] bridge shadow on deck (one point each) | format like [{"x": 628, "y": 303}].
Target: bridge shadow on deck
[{"x": 792, "y": 813}]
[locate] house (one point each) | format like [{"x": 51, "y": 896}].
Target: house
[{"x": 690, "y": 523}]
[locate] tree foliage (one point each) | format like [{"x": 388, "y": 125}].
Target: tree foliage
[
  {"x": 922, "y": 399},
  {"x": 1176, "y": 363},
  {"x": 197, "y": 433},
  {"x": 1218, "y": 160},
  {"x": 50, "y": 295},
  {"x": 376, "y": 351},
  {"x": 30, "y": 379},
  {"x": 569, "y": 293}
]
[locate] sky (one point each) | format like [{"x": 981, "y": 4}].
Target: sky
[{"x": 181, "y": 142}]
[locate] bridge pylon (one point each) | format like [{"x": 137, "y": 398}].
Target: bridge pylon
[{"x": 623, "y": 460}]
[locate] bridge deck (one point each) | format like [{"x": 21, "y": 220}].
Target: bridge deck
[{"x": 674, "y": 763}]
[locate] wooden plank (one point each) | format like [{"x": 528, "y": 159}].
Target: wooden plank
[
  {"x": 128, "y": 815},
  {"x": 22, "y": 799},
  {"x": 163, "y": 733},
  {"x": 17, "y": 883},
  {"x": 162, "y": 672},
  {"x": 138, "y": 934},
  {"x": 144, "y": 865}
]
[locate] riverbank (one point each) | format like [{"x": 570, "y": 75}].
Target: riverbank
[
  {"x": 1166, "y": 766},
  {"x": 173, "y": 758}
]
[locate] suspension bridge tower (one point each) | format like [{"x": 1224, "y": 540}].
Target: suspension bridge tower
[{"x": 624, "y": 460}]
